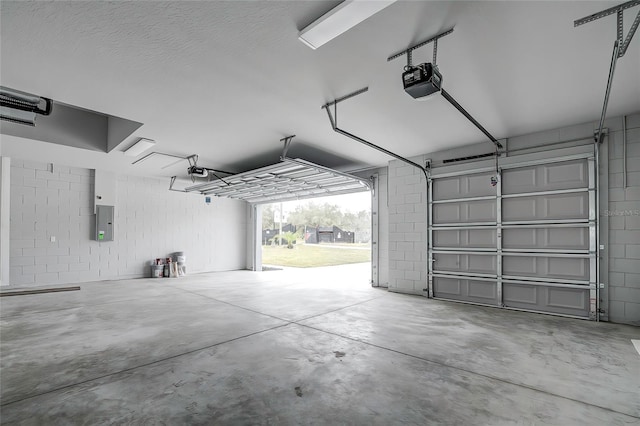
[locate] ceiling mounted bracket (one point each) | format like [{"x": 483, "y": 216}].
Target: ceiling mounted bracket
[
  {"x": 619, "y": 11},
  {"x": 193, "y": 160},
  {"x": 287, "y": 142},
  {"x": 173, "y": 181},
  {"x": 336, "y": 129},
  {"x": 433, "y": 39},
  {"x": 435, "y": 51},
  {"x": 619, "y": 48}
]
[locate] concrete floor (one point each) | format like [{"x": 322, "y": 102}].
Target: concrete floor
[{"x": 303, "y": 347}]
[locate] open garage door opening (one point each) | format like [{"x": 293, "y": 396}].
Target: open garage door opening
[{"x": 318, "y": 232}]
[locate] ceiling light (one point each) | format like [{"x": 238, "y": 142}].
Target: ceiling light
[
  {"x": 341, "y": 18},
  {"x": 139, "y": 147}
]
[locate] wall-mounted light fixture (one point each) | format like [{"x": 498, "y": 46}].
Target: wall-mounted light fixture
[
  {"x": 139, "y": 147},
  {"x": 21, "y": 107},
  {"x": 341, "y": 18}
]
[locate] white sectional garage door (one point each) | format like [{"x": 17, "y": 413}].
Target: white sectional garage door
[
  {"x": 527, "y": 243},
  {"x": 290, "y": 179}
]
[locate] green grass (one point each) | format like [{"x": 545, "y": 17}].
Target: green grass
[{"x": 314, "y": 255}]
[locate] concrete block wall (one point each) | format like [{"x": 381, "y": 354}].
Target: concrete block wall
[
  {"x": 407, "y": 201},
  {"x": 150, "y": 221},
  {"x": 407, "y": 227},
  {"x": 624, "y": 222}
]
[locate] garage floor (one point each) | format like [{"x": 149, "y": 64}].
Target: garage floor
[{"x": 303, "y": 347}]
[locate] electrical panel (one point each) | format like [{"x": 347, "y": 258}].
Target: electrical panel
[{"x": 104, "y": 223}]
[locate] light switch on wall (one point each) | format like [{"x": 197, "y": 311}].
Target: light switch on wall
[{"x": 53, "y": 239}]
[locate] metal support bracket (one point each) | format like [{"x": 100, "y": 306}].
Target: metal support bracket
[
  {"x": 287, "y": 142},
  {"x": 618, "y": 10},
  {"x": 345, "y": 97},
  {"x": 612, "y": 69},
  {"x": 334, "y": 125},
  {"x": 433, "y": 39},
  {"x": 619, "y": 47},
  {"x": 173, "y": 180}
]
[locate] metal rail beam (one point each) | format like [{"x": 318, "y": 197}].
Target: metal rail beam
[
  {"x": 345, "y": 97},
  {"x": 464, "y": 112},
  {"x": 335, "y": 127},
  {"x": 612, "y": 69},
  {"x": 606, "y": 12}
]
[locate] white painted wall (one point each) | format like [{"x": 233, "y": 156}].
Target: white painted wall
[
  {"x": 254, "y": 237},
  {"x": 5, "y": 223},
  {"x": 150, "y": 222},
  {"x": 620, "y": 236}
]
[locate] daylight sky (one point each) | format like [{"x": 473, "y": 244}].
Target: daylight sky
[{"x": 347, "y": 202}]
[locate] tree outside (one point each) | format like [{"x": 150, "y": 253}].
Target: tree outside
[
  {"x": 316, "y": 214},
  {"x": 289, "y": 237},
  {"x": 354, "y": 217}
]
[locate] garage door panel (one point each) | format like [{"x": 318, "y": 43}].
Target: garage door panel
[
  {"x": 519, "y": 295},
  {"x": 528, "y": 248},
  {"x": 463, "y": 187},
  {"x": 468, "y": 290},
  {"x": 568, "y": 298},
  {"x": 467, "y": 263},
  {"x": 546, "y": 177},
  {"x": 465, "y": 238},
  {"x": 290, "y": 179},
  {"x": 447, "y": 287},
  {"x": 546, "y": 207},
  {"x": 465, "y": 211},
  {"x": 574, "y": 238},
  {"x": 482, "y": 290},
  {"x": 567, "y": 301},
  {"x": 561, "y": 268}
]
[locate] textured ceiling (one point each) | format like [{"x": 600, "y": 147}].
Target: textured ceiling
[{"x": 227, "y": 80}]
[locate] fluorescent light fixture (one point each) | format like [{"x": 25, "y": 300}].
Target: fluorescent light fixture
[
  {"x": 139, "y": 147},
  {"x": 341, "y": 18},
  {"x": 17, "y": 116},
  {"x": 21, "y": 107}
]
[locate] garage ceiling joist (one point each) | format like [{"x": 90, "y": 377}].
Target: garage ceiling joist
[{"x": 291, "y": 179}]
